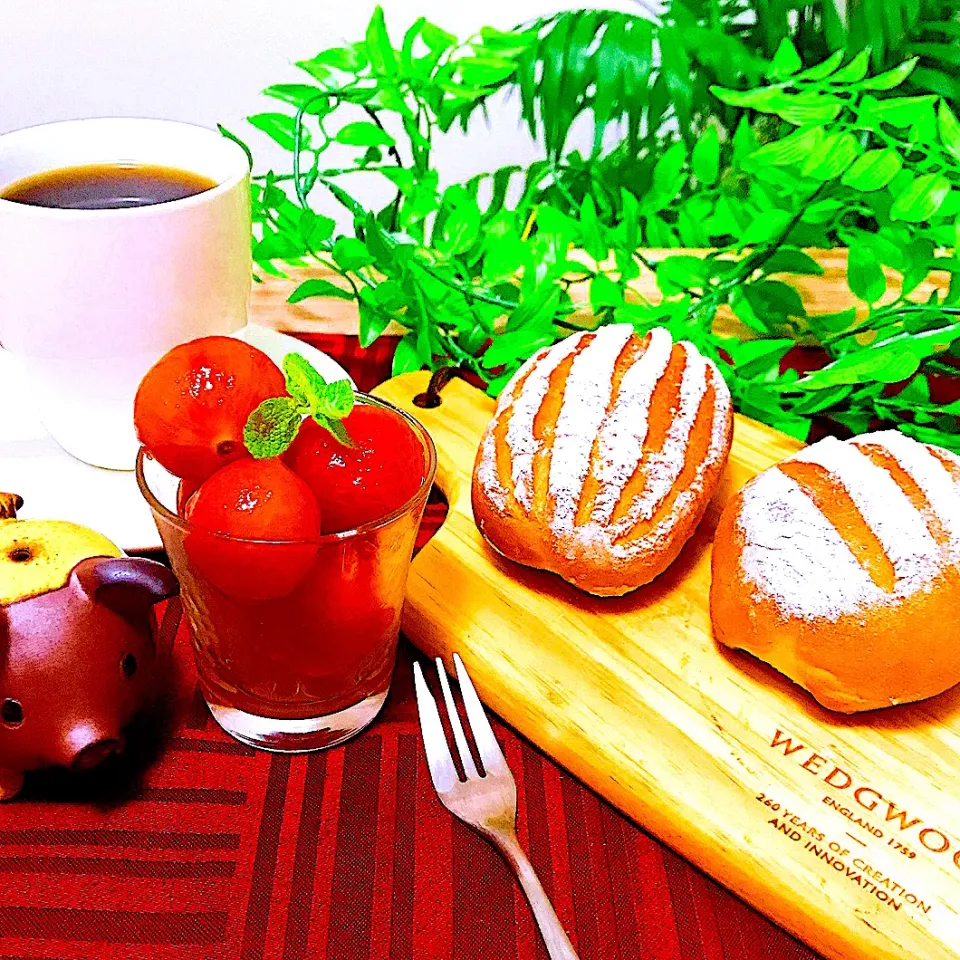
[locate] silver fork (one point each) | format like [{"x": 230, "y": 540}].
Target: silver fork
[{"x": 488, "y": 803}]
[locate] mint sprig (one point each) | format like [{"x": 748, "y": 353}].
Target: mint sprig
[{"x": 274, "y": 425}]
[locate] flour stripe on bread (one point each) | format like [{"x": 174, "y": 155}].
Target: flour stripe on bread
[
  {"x": 525, "y": 406},
  {"x": 620, "y": 444},
  {"x": 585, "y": 401},
  {"x": 663, "y": 466},
  {"x": 488, "y": 471},
  {"x": 927, "y": 471},
  {"x": 887, "y": 510},
  {"x": 795, "y": 555}
]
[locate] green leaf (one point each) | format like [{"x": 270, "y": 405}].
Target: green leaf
[
  {"x": 706, "y": 157},
  {"x": 858, "y": 367},
  {"x": 605, "y": 293},
  {"x": 520, "y": 344},
  {"x": 277, "y": 246},
  {"x": 318, "y": 288},
  {"x": 744, "y": 311},
  {"x": 809, "y": 108},
  {"x": 336, "y": 428},
  {"x": 855, "y": 70},
  {"x": 372, "y": 323},
  {"x": 924, "y": 127},
  {"x": 922, "y": 199},
  {"x": 873, "y": 171},
  {"x": 485, "y": 71},
  {"x": 886, "y": 361},
  {"x": 766, "y": 226},
  {"x": 762, "y": 98},
  {"x": 364, "y": 134},
  {"x": 751, "y": 352},
  {"x": 823, "y": 70},
  {"x": 406, "y": 358},
  {"x": 800, "y": 109},
  {"x": 351, "y": 254},
  {"x": 786, "y": 61},
  {"x": 794, "y": 148},
  {"x": 383, "y": 59},
  {"x": 823, "y": 210},
  {"x": 592, "y": 233},
  {"x": 891, "y": 78},
  {"x": 272, "y": 427},
  {"x": 503, "y": 257},
  {"x": 865, "y": 275},
  {"x": 461, "y": 224},
  {"x": 315, "y": 228},
  {"x": 773, "y": 300},
  {"x": 669, "y": 176},
  {"x": 297, "y": 94},
  {"x": 679, "y": 273},
  {"x": 830, "y": 323},
  {"x": 336, "y": 401},
  {"x": 789, "y": 260},
  {"x": 280, "y": 128},
  {"x": 898, "y": 112},
  {"x": 949, "y": 128},
  {"x": 346, "y": 59},
  {"x": 437, "y": 39},
  {"x": 838, "y": 151},
  {"x": 302, "y": 380},
  {"x": 669, "y": 170}
]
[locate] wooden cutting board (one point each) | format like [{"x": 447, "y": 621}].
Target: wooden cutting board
[{"x": 846, "y": 831}]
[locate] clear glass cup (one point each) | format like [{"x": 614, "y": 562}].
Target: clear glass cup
[{"x": 295, "y": 641}]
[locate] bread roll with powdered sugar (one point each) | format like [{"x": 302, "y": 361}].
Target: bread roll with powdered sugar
[
  {"x": 602, "y": 456},
  {"x": 841, "y": 568}
]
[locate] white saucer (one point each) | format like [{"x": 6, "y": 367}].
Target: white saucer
[{"x": 54, "y": 485}]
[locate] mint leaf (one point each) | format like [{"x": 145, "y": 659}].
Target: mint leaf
[
  {"x": 272, "y": 427},
  {"x": 325, "y": 401},
  {"x": 336, "y": 427},
  {"x": 303, "y": 382},
  {"x": 336, "y": 401}
]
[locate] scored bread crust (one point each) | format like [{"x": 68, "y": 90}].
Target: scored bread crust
[
  {"x": 841, "y": 568},
  {"x": 602, "y": 456}
]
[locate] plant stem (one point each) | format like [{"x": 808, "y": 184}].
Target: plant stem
[{"x": 398, "y": 160}]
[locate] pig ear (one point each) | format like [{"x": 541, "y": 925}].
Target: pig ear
[{"x": 126, "y": 585}]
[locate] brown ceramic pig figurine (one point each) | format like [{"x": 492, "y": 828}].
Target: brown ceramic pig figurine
[{"x": 78, "y": 649}]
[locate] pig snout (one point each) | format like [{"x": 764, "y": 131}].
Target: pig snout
[{"x": 87, "y": 745}]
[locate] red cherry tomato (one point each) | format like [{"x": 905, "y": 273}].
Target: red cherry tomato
[
  {"x": 356, "y": 613},
  {"x": 258, "y": 526},
  {"x": 191, "y": 407},
  {"x": 354, "y": 485}
]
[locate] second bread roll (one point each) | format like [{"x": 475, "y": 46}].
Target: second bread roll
[{"x": 841, "y": 568}]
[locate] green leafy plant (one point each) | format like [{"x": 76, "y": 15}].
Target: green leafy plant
[{"x": 774, "y": 159}]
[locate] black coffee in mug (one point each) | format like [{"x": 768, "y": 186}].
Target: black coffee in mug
[{"x": 106, "y": 186}]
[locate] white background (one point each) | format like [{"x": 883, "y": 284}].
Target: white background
[{"x": 206, "y": 61}]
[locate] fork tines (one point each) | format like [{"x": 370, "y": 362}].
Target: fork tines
[{"x": 439, "y": 758}]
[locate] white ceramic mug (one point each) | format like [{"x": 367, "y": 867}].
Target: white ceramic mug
[{"x": 90, "y": 299}]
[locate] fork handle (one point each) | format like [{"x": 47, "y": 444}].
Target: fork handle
[{"x": 558, "y": 944}]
